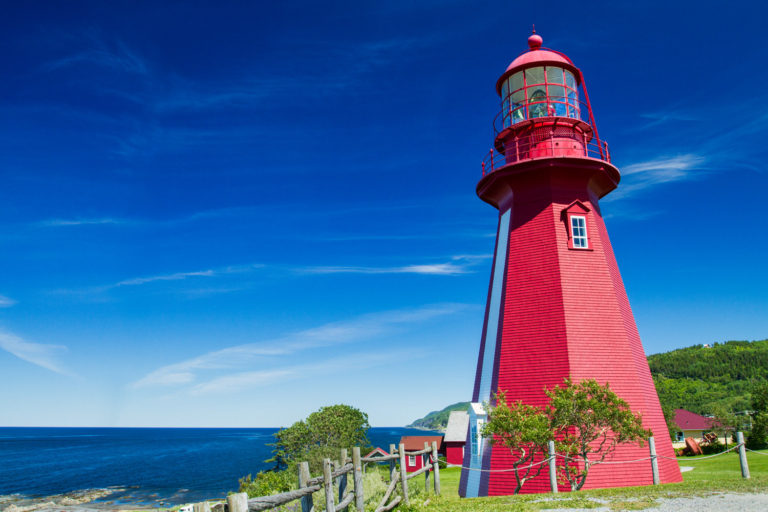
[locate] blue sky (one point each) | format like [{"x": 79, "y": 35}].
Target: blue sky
[{"x": 232, "y": 214}]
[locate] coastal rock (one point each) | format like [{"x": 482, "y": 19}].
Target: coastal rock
[{"x": 29, "y": 508}]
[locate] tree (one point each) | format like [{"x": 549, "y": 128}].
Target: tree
[
  {"x": 320, "y": 436},
  {"x": 524, "y": 429},
  {"x": 669, "y": 419},
  {"x": 758, "y": 436},
  {"x": 588, "y": 418},
  {"x": 724, "y": 422}
]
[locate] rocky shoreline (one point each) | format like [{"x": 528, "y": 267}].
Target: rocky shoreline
[{"x": 82, "y": 500}]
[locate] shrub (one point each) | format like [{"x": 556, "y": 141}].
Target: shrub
[
  {"x": 266, "y": 483},
  {"x": 711, "y": 448}
]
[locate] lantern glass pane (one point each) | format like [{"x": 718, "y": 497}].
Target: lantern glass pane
[
  {"x": 570, "y": 81},
  {"x": 518, "y": 106},
  {"x": 516, "y": 81},
  {"x": 557, "y": 106},
  {"x": 534, "y": 76},
  {"x": 537, "y": 99},
  {"x": 554, "y": 75},
  {"x": 556, "y": 93}
]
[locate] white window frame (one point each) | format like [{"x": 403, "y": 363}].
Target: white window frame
[
  {"x": 411, "y": 460},
  {"x": 578, "y": 239}
]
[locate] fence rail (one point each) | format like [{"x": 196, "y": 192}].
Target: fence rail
[{"x": 338, "y": 496}]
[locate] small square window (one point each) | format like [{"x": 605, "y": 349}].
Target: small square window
[
  {"x": 579, "y": 232},
  {"x": 411, "y": 460}
]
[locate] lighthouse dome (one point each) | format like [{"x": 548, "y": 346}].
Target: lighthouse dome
[{"x": 536, "y": 56}]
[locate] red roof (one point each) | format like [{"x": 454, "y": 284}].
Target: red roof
[
  {"x": 539, "y": 56},
  {"x": 687, "y": 420},
  {"x": 377, "y": 452},
  {"x": 415, "y": 443}
]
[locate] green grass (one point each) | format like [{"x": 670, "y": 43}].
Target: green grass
[{"x": 710, "y": 476}]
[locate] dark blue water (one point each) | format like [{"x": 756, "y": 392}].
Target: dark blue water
[{"x": 159, "y": 465}]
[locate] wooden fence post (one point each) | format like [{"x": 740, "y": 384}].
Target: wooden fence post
[
  {"x": 654, "y": 461},
  {"x": 343, "y": 478},
  {"x": 552, "y": 467},
  {"x": 403, "y": 476},
  {"x": 742, "y": 455},
  {"x": 330, "y": 506},
  {"x": 357, "y": 479},
  {"x": 201, "y": 507},
  {"x": 237, "y": 502},
  {"x": 307, "y": 505},
  {"x": 436, "y": 468},
  {"x": 391, "y": 463},
  {"x": 425, "y": 462}
]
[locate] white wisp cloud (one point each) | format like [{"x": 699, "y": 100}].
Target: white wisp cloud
[
  {"x": 229, "y": 367},
  {"x": 43, "y": 355}
]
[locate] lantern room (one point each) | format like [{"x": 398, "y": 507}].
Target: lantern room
[{"x": 542, "y": 111}]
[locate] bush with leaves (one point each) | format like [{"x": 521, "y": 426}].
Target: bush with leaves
[
  {"x": 266, "y": 483},
  {"x": 589, "y": 419},
  {"x": 524, "y": 429},
  {"x": 322, "y": 435}
]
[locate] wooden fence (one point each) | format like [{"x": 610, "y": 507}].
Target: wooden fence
[{"x": 335, "y": 478}]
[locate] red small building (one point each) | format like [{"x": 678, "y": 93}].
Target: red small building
[
  {"x": 416, "y": 443},
  {"x": 693, "y": 425},
  {"x": 456, "y": 437}
]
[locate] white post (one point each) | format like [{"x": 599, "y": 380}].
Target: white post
[
  {"x": 654, "y": 461},
  {"x": 742, "y": 455},
  {"x": 552, "y": 468}
]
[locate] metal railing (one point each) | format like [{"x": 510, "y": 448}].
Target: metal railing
[
  {"x": 551, "y": 106},
  {"x": 534, "y": 145}
]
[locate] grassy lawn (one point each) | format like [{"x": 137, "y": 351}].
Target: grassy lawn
[{"x": 719, "y": 474}]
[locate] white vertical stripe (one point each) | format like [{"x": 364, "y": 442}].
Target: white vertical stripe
[
  {"x": 494, "y": 309},
  {"x": 491, "y": 334}
]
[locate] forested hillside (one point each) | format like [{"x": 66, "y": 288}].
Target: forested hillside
[
  {"x": 699, "y": 378},
  {"x": 695, "y": 378},
  {"x": 437, "y": 420}
]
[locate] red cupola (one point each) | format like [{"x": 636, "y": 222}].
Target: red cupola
[
  {"x": 557, "y": 307},
  {"x": 542, "y": 112}
]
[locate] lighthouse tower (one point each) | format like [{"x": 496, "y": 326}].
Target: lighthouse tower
[{"x": 556, "y": 306}]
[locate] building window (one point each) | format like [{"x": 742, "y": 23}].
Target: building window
[
  {"x": 680, "y": 437},
  {"x": 411, "y": 460},
  {"x": 579, "y": 232}
]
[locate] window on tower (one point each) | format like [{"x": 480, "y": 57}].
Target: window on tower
[
  {"x": 579, "y": 232},
  {"x": 575, "y": 217}
]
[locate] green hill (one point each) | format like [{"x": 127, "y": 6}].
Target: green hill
[
  {"x": 695, "y": 378},
  {"x": 437, "y": 420}
]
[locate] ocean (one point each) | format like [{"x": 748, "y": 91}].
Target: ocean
[{"x": 157, "y": 466}]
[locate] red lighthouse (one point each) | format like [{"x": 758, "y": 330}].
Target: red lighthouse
[{"x": 556, "y": 306}]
